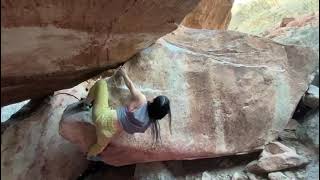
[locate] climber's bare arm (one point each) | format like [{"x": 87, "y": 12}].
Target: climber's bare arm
[{"x": 135, "y": 93}]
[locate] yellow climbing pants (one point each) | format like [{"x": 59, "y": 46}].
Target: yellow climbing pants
[{"x": 103, "y": 117}]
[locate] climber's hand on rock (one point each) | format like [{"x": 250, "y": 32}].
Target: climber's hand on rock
[{"x": 122, "y": 71}]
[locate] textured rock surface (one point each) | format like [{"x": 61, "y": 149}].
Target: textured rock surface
[
  {"x": 156, "y": 170},
  {"x": 223, "y": 168},
  {"x": 255, "y": 177},
  {"x": 277, "y": 176},
  {"x": 302, "y": 31},
  {"x": 316, "y": 79},
  {"x": 313, "y": 170},
  {"x": 239, "y": 176},
  {"x": 308, "y": 132},
  {"x": 311, "y": 98},
  {"x": 225, "y": 90},
  {"x": 52, "y": 45},
  {"x": 299, "y": 175},
  {"x": 32, "y": 149},
  {"x": 285, "y": 21},
  {"x": 309, "y": 172},
  {"x": 8, "y": 111},
  {"x": 289, "y": 132},
  {"x": 210, "y": 14},
  {"x": 275, "y": 157}
]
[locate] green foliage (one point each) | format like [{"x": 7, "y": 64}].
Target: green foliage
[{"x": 257, "y": 16}]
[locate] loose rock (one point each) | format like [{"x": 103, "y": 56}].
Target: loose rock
[{"x": 275, "y": 157}]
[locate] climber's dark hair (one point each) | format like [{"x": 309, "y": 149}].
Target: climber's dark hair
[{"x": 158, "y": 109}]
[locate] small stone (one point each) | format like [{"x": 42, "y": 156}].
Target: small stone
[
  {"x": 275, "y": 157},
  {"x": 206, "y": 176},
  {"x": 239, "y": 176},
  {"x": 278, "y": 176},
  {"x": 254, "y": 176},
  {"x": 300, "y": 175},
  {"x": 289, "y": 174}
]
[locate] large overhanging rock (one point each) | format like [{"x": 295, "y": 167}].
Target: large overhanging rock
[
  {"x": 52, "y": 45},
  {"x": 230, "y": 93},
  {"x": 210, "y": 14}
]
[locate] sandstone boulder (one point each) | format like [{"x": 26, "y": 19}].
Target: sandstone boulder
[
  {"x": 210, "y": 14},
  {"x": 52, "y": 45},
  {"x": 32, "y": 149},
  {"x": 230, "y": 93},
  {"x": 275, "y": 157}
]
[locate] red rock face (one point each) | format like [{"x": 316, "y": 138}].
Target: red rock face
[
  {"x": 230, "y": 93},
  {"x": 51, "y": 45},
  {"x": 32, "y": 149},
  {"x": 210, "y": 14}
]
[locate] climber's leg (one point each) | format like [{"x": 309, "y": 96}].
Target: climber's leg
[
  {"x": 103, "y": 139},
  {"x": 99, "y": 94},
  {"x": 102, "y": 117}
]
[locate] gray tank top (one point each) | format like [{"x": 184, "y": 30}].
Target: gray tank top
[{"x": 134, "y": 122}]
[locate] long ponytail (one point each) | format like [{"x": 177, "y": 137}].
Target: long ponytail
[
  {"x": 155, "y": 131},
  {"x": 157, "y": 109}
]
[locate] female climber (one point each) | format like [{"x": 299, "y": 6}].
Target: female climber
[{"x": 135, "y": 117}]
